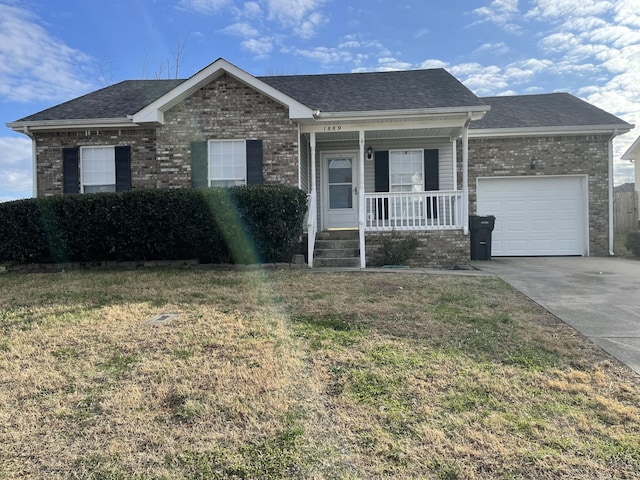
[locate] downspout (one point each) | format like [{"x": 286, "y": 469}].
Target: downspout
[
  {"x": 465, "y": 174},
  {"x": 610, "y": 187},
  {"x": 299, "y": 160},
  {"x": 361, "y": 205},
  {"x": 34, "y": 162}
]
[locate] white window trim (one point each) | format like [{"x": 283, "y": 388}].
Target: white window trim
[
  {"x": 421, "y": 173},
  {"x": 237, "y": 179},
  {"x": 82, "y": 172}
]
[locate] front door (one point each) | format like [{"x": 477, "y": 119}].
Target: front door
[{"x": 340, "y": 190}]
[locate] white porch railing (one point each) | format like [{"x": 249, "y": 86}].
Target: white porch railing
[
  {"x": 432, "y": 210},
  {"x": 312, "y": 226}
]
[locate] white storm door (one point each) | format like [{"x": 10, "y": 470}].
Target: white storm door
[{"x": 340, "y": 190}]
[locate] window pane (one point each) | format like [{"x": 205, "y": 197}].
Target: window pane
[
  {"x": 99, "y": 188},
  {"x": 340, "y": 170},
  {"x": 406, "y": 171},
  {"x": 227, "y": 162},
  {"x": 340, "y": 196},
  {"x": 98, "y": 166}
]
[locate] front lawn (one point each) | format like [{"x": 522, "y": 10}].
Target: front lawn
[{"x": 297, "y": 374}]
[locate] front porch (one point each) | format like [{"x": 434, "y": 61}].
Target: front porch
[{"x": 382, "y": 176}]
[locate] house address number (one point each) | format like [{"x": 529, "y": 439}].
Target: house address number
[{"x": 332, "y": 128}]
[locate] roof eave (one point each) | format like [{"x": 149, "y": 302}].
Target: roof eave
[
  {"x": 477, "y": 113},
  {"x": 550, "y": 131},
  {"x": 20, "y": 126}
]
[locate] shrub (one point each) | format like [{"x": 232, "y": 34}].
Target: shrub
[
  {"x": 397, "y": 249},
  {"x": 632, "y": 243},
  {"x": 243, "y": 224}
]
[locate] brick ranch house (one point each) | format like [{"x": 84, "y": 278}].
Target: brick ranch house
[{"x": 406, "y": 152}]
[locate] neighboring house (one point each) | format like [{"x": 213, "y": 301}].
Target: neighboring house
[
  {"x": 406, "y": 151},
  {"x": 633, "y": 155}
]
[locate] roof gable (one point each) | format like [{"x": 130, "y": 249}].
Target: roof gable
[{"x": 153, "y": 112}]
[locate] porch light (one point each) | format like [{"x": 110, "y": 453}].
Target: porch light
[
  {"x": 369, "y": 153},
  {"x": 533, "y": 163}
]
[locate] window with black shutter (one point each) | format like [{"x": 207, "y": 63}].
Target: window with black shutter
[{"x": 226, "y": 163}]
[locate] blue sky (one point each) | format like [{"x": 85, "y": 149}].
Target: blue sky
[{"x": 54, "y": 50}]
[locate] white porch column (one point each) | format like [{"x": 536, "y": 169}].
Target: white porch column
[
  {"x": 454, "y": 144},
  {"x": 361, "y": 200},
  {"x": 465, "y": 175},
  {"x": 313, "y": 204}
]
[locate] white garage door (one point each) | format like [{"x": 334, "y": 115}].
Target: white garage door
[{"x": 541, "y": 215}]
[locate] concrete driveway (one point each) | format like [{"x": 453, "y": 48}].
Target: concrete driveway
[{"x": 599, "y": 297}]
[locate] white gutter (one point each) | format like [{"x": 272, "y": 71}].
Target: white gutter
[
  {"x": 610, "y": 188},
  {"x": 299, "y": 160},
  {"x": 402, "y": 113},
  {"x": 548, "y": 131},
  {"x": 89, "y": 123}
]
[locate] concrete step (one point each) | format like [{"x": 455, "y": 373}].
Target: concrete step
[
  {"x": 337, "y": 253},
  {"x": 338, "y": 235},
  {"x": 333, "y": 244},
  {"x": 336, "y": 262}
]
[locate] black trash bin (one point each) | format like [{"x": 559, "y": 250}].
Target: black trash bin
[{"x": 480, "y": 228}]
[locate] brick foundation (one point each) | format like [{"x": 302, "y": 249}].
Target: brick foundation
[{"x": 436, "y": 249}]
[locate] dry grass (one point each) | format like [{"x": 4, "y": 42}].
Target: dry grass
[{"x": 302, "y": 375}]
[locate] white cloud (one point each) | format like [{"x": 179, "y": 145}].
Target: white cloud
[
  {"x": 324, "y": 55},
  {"x": 553, "y": 9},
  {"x": 35, "y": 66},
  {"x": 433, "y": 63},
  {"x": 15, "y": 168},
  {"x": 627, "y": 13},
  {"x": 252, "y": 9},
  {"x": 204, "y": 6},
  {"x": 303, "y": 16},
  {"x": 241, "y": 29},
  {"x": 258, "y": 46},
  {"x": 500, "y": 12},
  {"x": 386, "y": 64},
  {"x": 494, "y": 48}
]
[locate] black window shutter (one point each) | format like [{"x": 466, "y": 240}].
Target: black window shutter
[
  {"x": 431, "y": 180},
  {"x": 431, "y": 170},
  {"x": 199, "y": 164},
  {"x": 123, "y": 168},
  {"x": 382, "y": 171},
  {"x": 254, "y": 162},
  {"x": 70, "y": 170},
  {"x": 382, "y": 182}
]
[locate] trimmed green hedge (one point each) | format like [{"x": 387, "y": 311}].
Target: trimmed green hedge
[{"x": 248, "y": 224}]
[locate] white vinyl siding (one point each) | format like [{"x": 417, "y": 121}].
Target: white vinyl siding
[
  {"x": 445, "y": 160},
  {"x": 227, "y": 163},
  {"x": 98, "y": 169}
]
